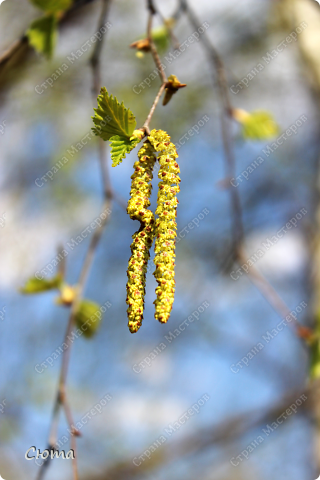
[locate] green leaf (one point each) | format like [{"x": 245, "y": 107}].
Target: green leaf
[
  {"x": 120, "y": 146},
  {"x": 259, "y": 125},
  {"x": 111, "y": 118},
  {"x": 42, "y": 35},
  {"x": 36, "y": 285},
  {"x": 88, "y": 317},
  {"x": 52, "y": 6}
]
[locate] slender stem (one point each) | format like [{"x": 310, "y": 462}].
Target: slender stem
[
  {"x": 155, "y": 103},
  {"x": 157, "y": 61},
  {"x": 14, "y": 47},
  {"x": 152, "y": 11},
  {"x": 274, "y": 299},
  {"x": 153, "y": 48},
  {"x": 225, "y": 120},
  {"x": 173, "y": 38}
]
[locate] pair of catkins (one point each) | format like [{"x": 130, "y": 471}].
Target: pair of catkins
[{"x": 163, "y": 228}]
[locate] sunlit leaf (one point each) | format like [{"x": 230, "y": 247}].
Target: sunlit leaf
[{"x": 112, "y": 118}]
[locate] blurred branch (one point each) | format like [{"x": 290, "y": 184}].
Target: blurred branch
[
  {"x": 61, "y": 397},
  {"x": 225, "y": 120},
  {"x": 154, "y": 105},
  {"x": 152, "y": 11},
  {"x": 14, "y": 48},
  {"x": 226, "y": 117},
  {"x": 215, "y": 435},
  {"x": 95, "y": 62},
  {"x": 270, "y": 294},
  {"x": 8, "y": 54},
  {"x": 173, "y": 38},
  {"x": 154, "y": 52}
]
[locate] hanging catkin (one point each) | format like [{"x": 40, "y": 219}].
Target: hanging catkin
[
  {"x": 165, "y": 229},
  {"x": 143, "y": 238}
]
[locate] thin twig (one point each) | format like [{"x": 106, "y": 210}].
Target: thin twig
[
  {"x": 17, "y": 44},
  {"x": 10, "y": 52},
  {"x": 95, "y": 62},
  {"x": 225, "y": 120},
  {"x": 157, "y": 61},
  {"x": 153, "y": 48},
  {"x": 226, "y": 432},
  {"x": 155, "y": 103},
  {"x": 274, "y": 299}
]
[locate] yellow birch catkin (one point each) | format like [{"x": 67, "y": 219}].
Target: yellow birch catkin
[
  {"x": 143, "y": 238},
  {"x": 166, "y": 226}
]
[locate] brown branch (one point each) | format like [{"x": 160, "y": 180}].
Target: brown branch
[
  {"x": 274, "y": 299},
  {"x": 153, "y": 48},
  {"x": 157, "y": 61},
  {"x": 17, "y": 44},
  {"x": 173, "y": 38},
  {"x": 95, "y": 62},
  {"x": 14, "y": 48},
  {"x": 225, "y": 120},
  {"x": 227, "y": 431},
  {"x": 155, "y": 103}
]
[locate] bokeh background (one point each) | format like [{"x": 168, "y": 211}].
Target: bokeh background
[{"x": 39, "y": 129}]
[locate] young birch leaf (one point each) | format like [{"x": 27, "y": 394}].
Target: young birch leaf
[
  {"x": 88, "y": 317},
  {"x": 120, "y": 146},
  {"x": 42, "y": 35},
  {"x": 52, "y": 6},
  {"x": 161, "y": 38},
  {"x": 36, "y": 285},
  {"x": 257, "y": 125},
  {"x": 112, "y": 118}
]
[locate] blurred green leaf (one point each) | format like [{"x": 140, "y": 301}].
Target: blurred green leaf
[
  {"x": 120, "y": 146},
  {"x": 161, "y": 38},
  {"x": 88, "y": 317},
  {"x": 112, "y": 118},
  {"x": 315, "y": 359},
  {"x": 257, "y": 125},
  {"x": 52, "y": 6},
  {"x": 42, "y": 35},
  {"x": 36, "y": 285}
]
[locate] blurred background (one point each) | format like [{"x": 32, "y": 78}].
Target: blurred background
[{"x": 154, "y": 377}]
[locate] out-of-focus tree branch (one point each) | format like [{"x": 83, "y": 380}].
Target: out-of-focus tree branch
[
  {"x": 225, "y": 433},
  {"x": 17, "y": 45},
  {"x": 239, "y": 255}
]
